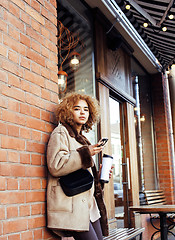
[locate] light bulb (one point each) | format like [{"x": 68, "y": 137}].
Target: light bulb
[
  {"x": 164, "y": 29},
  {"x": 127, "y": 6},
  {"x": 74, "y": 61},
  {"x": 62, "y": 81},
  {"x": 142, "y": 118},
  {"x": 171, "y": 16},
  {"x": 145, "y": 24}
]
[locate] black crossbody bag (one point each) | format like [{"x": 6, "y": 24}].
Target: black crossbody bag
[{"x": 76, "y": 182}]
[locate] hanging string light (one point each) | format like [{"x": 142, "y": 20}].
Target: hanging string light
[
  {"x": 62, "y": 81},
  {"x": 171, "y": 16},
  {"x": 145, "y": 24},
  {"x": 167, "y": 14},
  {"x": 66, "y": 41},
  {"x": 128, "y": 6},
  {"x": 164, "y": 29},
  {"x": 142, "y": 118},
  {"x": 75, "y": 60}
]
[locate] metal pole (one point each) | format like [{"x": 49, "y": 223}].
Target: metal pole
[{"x": 138, "y": 129}]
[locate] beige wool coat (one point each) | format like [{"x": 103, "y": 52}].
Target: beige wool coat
[{"x": 67, "y": 152}]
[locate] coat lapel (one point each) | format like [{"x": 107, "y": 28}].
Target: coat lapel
[{"x": 73, "y": 133}]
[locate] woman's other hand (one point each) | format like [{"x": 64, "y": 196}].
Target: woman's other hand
[{"x": 110, "y": 172}]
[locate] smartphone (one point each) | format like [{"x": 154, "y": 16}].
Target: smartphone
[{"x": 102, "y": 142}]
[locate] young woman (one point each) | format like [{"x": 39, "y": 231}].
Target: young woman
[{"x": 82, "y": 216}]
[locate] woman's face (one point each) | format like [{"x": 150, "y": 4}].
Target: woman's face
[{"x": 80, "y": 112}]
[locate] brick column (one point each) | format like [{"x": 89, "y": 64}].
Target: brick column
[
  {"x": 28, "y": 96},
  {"x": 162, "y": 135}
]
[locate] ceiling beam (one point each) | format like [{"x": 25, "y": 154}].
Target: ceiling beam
[
  {"x": 147, "y": 16},
  {"x": 166, "y": 12},
  {"x": 143, "y": 12}
]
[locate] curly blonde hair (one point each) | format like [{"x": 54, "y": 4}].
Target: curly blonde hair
[{"x": 64, "y": 111}]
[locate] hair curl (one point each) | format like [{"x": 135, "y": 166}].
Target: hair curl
[{"x": 64, "y": 111}]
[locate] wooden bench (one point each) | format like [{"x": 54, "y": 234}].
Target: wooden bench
[
  {"x": 157, "y": 197},
  {"x": 153, "y": 197},
  {"x": 124, "y": 233}
]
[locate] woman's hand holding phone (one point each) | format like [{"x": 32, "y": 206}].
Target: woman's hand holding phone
[{"x": 97, "y": 148}]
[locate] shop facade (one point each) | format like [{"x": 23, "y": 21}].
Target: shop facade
[
  {"x": 130, "y": 94},
  {"x": 106, "y": 68}
]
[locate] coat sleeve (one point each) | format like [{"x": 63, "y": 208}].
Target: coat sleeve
[{"x": 61, "y": 160}]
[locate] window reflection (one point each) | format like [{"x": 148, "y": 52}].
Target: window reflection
[{"x": 81, "y": 78}]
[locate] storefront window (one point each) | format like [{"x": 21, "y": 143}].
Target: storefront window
[
  {"x": 149, "y": 169},
  {"x": 148, "y": 178},
  {"x": 75, "y": 17},
  {"x": 80, "y": 77}
]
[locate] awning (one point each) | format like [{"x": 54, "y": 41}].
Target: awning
[
  {"x": 156, "y": 13},
  {"x": 158, "y": 45}
]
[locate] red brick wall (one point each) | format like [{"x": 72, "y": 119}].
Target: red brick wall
[
  {"x": 163, "y": 142},
  {"x": 28, "y": 94}
]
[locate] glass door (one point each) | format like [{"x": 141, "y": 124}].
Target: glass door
[{"x": 118, "y": 153}]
